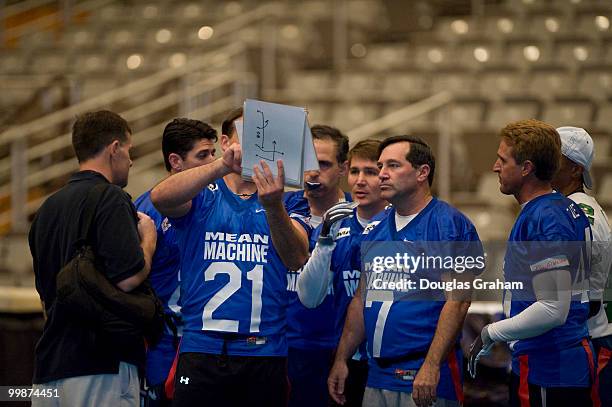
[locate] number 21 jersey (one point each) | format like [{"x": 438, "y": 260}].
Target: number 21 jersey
[{"x": 233, "y": 283}]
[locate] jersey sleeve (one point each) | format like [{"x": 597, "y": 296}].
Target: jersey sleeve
[
  {"x": 143, "y": 204},
  {"x": 554, "y": 244},
  {"x": 299, "y": 212},
  {"x": 200, "y": 205}
]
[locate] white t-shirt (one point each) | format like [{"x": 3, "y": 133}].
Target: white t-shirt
[
  {"x": 402, "y": 221},
  {"x": 601, "y": 259}
]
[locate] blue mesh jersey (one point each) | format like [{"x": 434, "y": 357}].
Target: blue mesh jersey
[
  {"x": 556, "y": 358},
  {"x": 164, "y": 277},
  {"x": 233, "y": 283},
  {"x": 399, "y": 328},
  {"x": 345, "y": 278},
  {"x": 308, "y": 328}
]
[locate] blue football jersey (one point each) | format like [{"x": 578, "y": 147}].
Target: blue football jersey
[
  {"x": 398, "y": 328},
  {"x": 556, "y": 358},
  {"x": 345, "y": 276},
  {"x": 233, "y": 283},
  {"x": 164, "y": 278},
  {"x": 164, "y": 275},
  {"x": 308, "y": 328}
]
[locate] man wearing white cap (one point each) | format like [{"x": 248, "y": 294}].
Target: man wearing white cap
[{"x": 572, "y": 177}]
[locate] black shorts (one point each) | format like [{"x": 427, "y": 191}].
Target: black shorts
[
  {"x": 222, "y": 380},
  {"x": 550, "y": 396}
]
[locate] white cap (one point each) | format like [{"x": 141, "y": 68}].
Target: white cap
[{"x": 577, "y": 145}]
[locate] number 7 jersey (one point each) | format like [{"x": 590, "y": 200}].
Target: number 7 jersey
[{"x": 233, "y": 283}]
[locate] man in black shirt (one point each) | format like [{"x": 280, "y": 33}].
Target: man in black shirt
[{"x": 86, "y": 365}]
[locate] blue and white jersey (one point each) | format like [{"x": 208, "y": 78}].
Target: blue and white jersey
[
  {"x": 165, "y": 267},
  {"x": 308, "y": 328},
  {"x": 403, "y": 327},
  {"x": 556, "y": 358},
  {"x": 345, "y": 276},
  {"x": 164, "y": 278},
  {"x": 299, "y": 206},
  {"x": 233, "y": 283}
]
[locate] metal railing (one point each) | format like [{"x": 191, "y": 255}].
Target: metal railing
[
  {"x": 404, "y": 115},
  {"x": 25, "y": 177},
  {"x": 25, "y": 148}
]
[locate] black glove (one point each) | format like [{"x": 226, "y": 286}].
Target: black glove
[
  {"x": 334, "y": 214},
  {"x": 594, "y": 307}
]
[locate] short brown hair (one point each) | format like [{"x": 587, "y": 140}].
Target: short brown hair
[
  {"x": 323, "y": 132},
  {"x": 227, "y": 127},
  {"x": 419, "y": 154},
  {"x": 181, "y": 134},
  {"x": 93, "y": 131},
  {"x": 535, "y": 141},
  {"x": 366, "y": 149}
]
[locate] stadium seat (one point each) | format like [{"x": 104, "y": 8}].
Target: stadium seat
[
  {"x": 596, "y": 82},
  {"x": 503, "y": 26},
  {"x": 122, "y": 37},
  {"x": 48, "y": 62},
  {"x": 91, "y": 62},
  {"x": 604, "y": 192},
  {"x": 492, "y": 224},
  {"x": 548, "y": 83},
  {"x": 317, "y": 112},
  {"x": 309, "y": 84},
  {"x": 147, "y": 11},
  {"x": 435, "y": 55},
  {"x": 570, "y": 113},
  {"x": 458, "y": 81},
  {"x": 604, "y": 113},
  {"x": 464, "y": 114},
  {"x": 39, "y": 40},
  {"x": 592, "y": 24},
  {"x": 502, "y": 113},
  {"x": 487, "y": 190},
  {"x": 607, "y": 53},
  {"x": 528, "y": 53},
  {"x": 602, "y": 149},
  {"x": 496, "y": 83},
  {"x": 13, "y": 62},
  {"x": 480, "y": 54},
  {"x": 349, "y": 116},
  {"x": 424, "y": 122},
  {"x": 548, "y": 25},
  {"x": 81, "y": 37},
  {"x": 486, "y": 144},
  {"x": 368, "y": 13},
  {"x": 575, "y": 53},
  {"x": 110, "y": 13},
  {"x": 351, "y": 85},
  {"x": 92, "y": 87},
  {"x": 405, "y": 85},
  {"x": 161, "y": 36},
  {"x": 454, "y": 29},
  {"x": 172, "y": 58},
  {"x": 14, "y": 96},
  {"x": 388, "y": 57}
]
